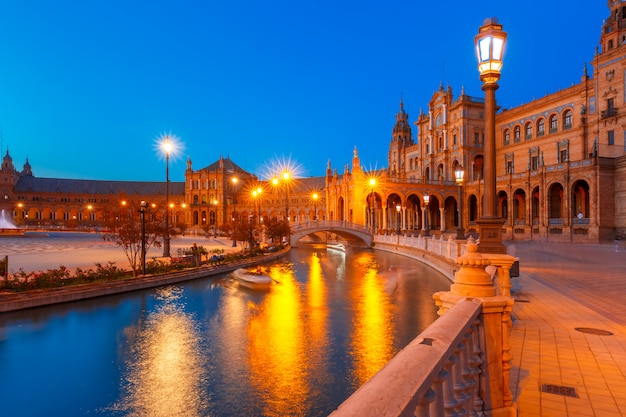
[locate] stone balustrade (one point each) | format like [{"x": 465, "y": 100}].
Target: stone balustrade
[
  {"x": 437, "y": 374},
  {"x": 460, "y": 365}
]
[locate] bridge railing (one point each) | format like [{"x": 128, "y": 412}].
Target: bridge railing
[
  {"x": 437, "y": 374},
  {"x": 447, "y": 248}
]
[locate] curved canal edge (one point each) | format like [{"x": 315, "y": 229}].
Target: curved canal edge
[
  {"x": 445, "y": 266},
  {"x": 39, "y": 298}
]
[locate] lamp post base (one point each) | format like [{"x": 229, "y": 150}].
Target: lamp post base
[
  {"x": 166, "y": 247},
  {"x": 490, "y": 235}
]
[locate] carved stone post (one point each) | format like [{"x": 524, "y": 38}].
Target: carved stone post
[{"x": 493, "y": 290}]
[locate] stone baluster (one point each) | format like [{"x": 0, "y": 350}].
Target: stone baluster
[
  {"x": 449, "y": 400},
  {"x": 423, "y": 408},
  {"x": 437, "y": 406}
]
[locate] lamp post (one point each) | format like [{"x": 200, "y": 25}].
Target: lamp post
[
  {"x": 426, "y": 228},
  {"x": 315, "y": 197},
  {"x": 166, "y": 145},
  {"x": 372, "y": 183},
  {"x": 142, "y": 211},
  {"x": 460, "y": 231},
  {"x": 234, "y": 180},
  {"x": 398, "y": 209},
  {"x": 286, "y": 177},
  {"x": 490, "y": 42},
  {"x": 256, "y": 194}
]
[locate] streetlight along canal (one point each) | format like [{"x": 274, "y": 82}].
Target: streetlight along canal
[{"x": 209, "y": 348}]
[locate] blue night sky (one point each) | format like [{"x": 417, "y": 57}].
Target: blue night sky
[{"x": 87, "y": 87}]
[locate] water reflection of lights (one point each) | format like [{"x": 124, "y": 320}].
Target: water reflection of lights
[
  {"x": 166, "y": 370},
  {"x": 277, "y": 348},
  {"x": 317, "y": 311},
  {"x": 372, "y": 342}
]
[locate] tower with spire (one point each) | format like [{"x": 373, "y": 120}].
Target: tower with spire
[{"x": 401, "y": 138}]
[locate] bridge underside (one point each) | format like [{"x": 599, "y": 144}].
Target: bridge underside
[{"x": 352, "y": 238}]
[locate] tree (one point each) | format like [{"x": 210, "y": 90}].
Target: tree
[
  {"x": 128, "y": 235},
  {"x": 275, "y": 229}
]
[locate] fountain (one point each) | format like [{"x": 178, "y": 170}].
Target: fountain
[{"x": 7, "y": 228}]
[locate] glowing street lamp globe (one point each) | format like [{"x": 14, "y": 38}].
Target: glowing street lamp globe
[{"x": 490, "y": 43}]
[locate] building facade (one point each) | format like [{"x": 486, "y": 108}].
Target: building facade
[
  {"x": 560, "y": 161},
  {"x": 209, "y": 198}
]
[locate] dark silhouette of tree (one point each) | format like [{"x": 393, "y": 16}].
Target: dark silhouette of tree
[
  {"x": 127, "y": 235},
  {"x": 275, "y": 229}
]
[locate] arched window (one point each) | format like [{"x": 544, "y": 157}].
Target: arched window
[
  {"x": 507, "y": 137},
  {"x": 528, "y": 131},
  {"x": 517, "y": 134},
  {"x": 567, "y": 120},
  {"x": 541, "y": 127},
  {"x": 554, "y": 123}
]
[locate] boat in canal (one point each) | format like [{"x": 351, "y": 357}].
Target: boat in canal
[
  {"x": 252, "y": 279},
  {"x": 336, "y": 246}
]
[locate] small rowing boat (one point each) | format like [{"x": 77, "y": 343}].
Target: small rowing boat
[
  {"x": 252, "y": 280},
  {"x": 336, "y": 246}
]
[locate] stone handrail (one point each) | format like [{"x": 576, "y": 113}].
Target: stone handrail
[
  {"x": 449, "y": 248},
  {"x": 437, "y": 374}
]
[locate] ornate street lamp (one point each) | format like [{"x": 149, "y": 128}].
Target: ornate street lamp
[
  {"x": 166, "y": 145},
  {"x": 315, "y": 197},
  {"x": 234, "y": 180},
  {"x": 286, "y": 177},
  {"x": 372, "y": 183},
  {"x": 398, "y": 209},
  {"x": 259, "y": 191},
  {"x": 142, "y": 211},
  {"x": 490, "y": 43},
  {"x": 426, "y": 229},
  {"x": 458, "y": 175}
]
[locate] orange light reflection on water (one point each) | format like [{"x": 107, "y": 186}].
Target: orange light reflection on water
[
  {"x": 277, "y": 347},
  {"x": 372, "y": 341}
]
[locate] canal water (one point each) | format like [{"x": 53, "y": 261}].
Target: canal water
[{"x": 329, "y": 322}]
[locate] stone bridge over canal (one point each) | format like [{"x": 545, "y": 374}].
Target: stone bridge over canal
[{"x": 355, "y": 234}]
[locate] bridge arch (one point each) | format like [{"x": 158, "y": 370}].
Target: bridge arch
[{"x": 352, "y": 232}]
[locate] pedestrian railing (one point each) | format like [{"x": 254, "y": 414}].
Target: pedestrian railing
[
  {"x": 448, "y": 248},
  {"x": 437, "y": 374}
]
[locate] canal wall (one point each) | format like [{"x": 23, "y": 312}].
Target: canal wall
[
  {"x": 439, "y": 254},
  {"x": 29, "y": 299}
]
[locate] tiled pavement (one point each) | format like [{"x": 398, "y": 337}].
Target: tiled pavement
[
  {"x": 36, "y": 252},
  {"x": 568, "y": 299}
]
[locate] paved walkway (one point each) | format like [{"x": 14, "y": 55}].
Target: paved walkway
[
  {"x": 36, "y": 252},
  {"x": 568, "y": 299}
]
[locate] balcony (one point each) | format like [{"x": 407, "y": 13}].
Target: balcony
[{"x": 610, "y": 112}]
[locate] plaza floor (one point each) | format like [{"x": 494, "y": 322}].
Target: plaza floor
[
  {"x": 43, "y": 251},
  {"x": 568, "y": 337},
  {"x": 569, "y": 332}
]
